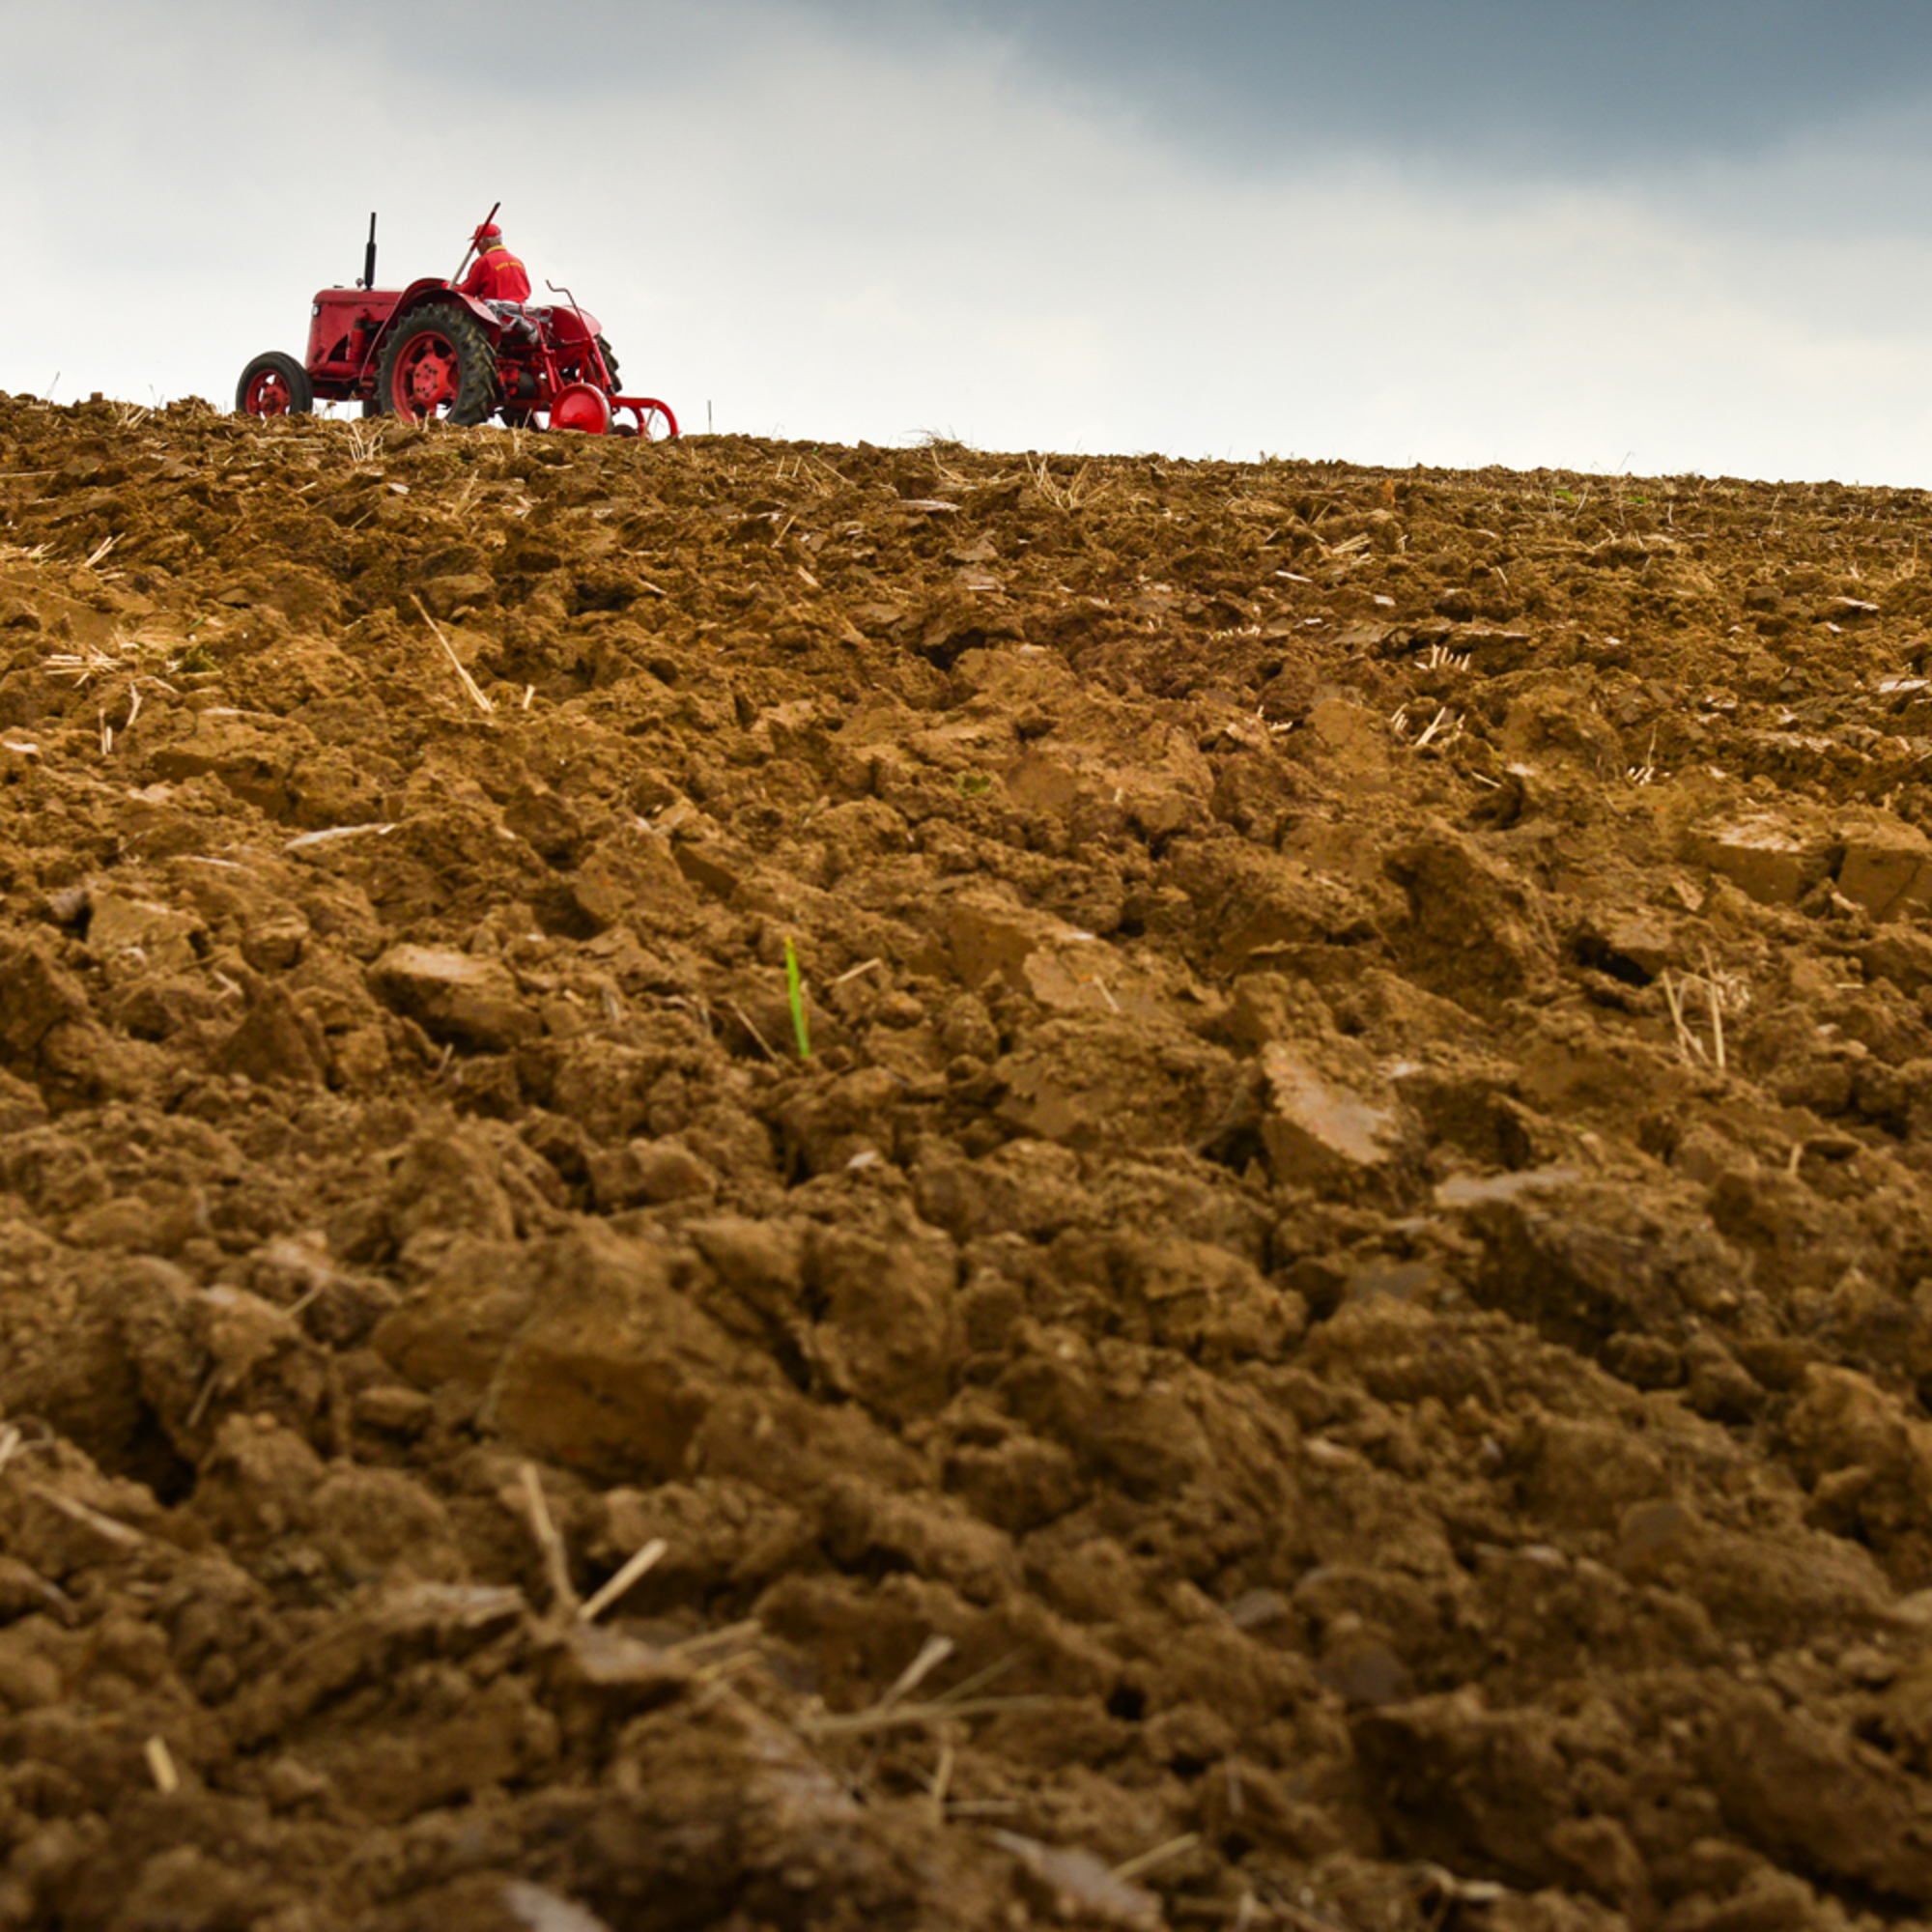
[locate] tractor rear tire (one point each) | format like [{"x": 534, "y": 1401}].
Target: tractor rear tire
[
  {"x": 439, "y": 363},
  {"x": 275, "y": 384},
  {"x": 610, "y": 356}
]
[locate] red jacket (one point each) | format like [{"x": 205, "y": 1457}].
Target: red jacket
[{"x": 498, "y": 276}]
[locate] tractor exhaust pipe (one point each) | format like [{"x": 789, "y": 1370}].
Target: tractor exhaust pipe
[{"x": 369, "y": 257}]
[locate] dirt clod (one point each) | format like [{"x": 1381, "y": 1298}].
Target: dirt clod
[{"x": 1317, "y": 1313}]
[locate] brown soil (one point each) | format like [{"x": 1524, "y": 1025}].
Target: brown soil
[{"x": 1335, "y": 1333}]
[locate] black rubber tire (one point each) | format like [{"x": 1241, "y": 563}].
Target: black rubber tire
[
  {"x": 471, "y": 395},
  {"x": 272, "y": 376},
  {"x": 610, "y": 356},
  {"x": 518, "y": 411}
]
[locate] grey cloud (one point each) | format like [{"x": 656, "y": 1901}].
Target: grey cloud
[
  {"x": 1534, "y": 83},
  {"x": 1542, "y": 86}
]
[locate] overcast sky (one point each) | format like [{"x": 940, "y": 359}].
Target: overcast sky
[{"x": 1654, "y": 237}]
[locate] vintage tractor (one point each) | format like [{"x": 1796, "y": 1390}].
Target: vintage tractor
[{"x": 430, "y": 350}]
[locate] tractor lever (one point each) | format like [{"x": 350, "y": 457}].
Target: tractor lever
[{"x": 597, "y": 346}]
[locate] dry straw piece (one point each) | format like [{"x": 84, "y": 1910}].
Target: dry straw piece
[
  {"x": 751, "y": 1027},
  {"x": 109, "y": 1527},
  {"x": 1172, "y": 1848},
  {"x": 1062, "y": 495},
  {"x": 916, "y": 1717},
  {"x": 161, "y": 1766},
  {"x": 932, "y": 1653},
  {"x": 639, "y": 1565},
  {"x": 853, "y": 972},
  {"x": 543, "y": 1527},
  {"x": 1721, "y": 991},
  {"x": 478, "y": 697}
]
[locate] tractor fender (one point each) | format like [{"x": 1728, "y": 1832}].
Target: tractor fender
[
  {"x": 571, "y": 325},
  {"x": 418, "y": 294}
]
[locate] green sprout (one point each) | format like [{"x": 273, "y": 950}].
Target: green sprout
[
  {"x": 975, "y": 784},
  {"x": 795, "y": 987}
]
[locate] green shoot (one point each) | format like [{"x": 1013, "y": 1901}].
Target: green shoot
[{"x": 795, "y": 987}]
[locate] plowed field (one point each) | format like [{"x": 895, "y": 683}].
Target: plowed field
[{"x": 1318, "y": 1314}]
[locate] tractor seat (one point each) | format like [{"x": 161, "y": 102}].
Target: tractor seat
[{"x": 524, "y": 320}]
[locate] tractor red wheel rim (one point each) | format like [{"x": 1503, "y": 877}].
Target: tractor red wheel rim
[
  {"x": 426, "y": 375},
  {"x": 268, "y": 394}
]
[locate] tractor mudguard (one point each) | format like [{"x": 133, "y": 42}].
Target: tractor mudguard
[
  {"x": 569, "y": 327},
  {"x": 432, "y": 289}
]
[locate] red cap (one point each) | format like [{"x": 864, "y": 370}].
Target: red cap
[{"x": 489, "y": 232}]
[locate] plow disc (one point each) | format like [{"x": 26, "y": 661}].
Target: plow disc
[{"x": 581, "y": 406}]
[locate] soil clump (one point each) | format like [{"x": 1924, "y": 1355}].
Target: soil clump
[{"x": 1334, "y": 1331}]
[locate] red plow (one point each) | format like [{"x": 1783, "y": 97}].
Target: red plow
[{"x": 430, "y": 351}]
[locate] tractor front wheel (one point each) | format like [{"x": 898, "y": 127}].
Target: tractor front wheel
[
  {"x": 275, "y": 384},
  {"x": 438, "y": 362}
]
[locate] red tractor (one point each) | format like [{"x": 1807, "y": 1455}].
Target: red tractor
[{"x": 430, "y": 350}]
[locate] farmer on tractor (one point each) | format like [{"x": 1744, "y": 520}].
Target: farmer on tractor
[{"x": 498, "y": 276}]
